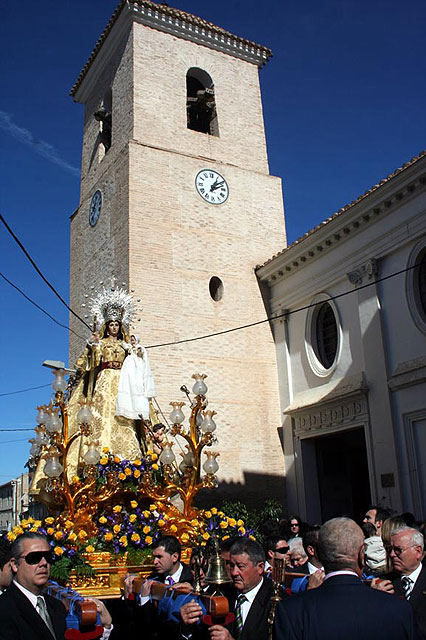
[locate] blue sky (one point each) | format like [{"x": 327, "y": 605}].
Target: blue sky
[{"x": 343, "y": 101}]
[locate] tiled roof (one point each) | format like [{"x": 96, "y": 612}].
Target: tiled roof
[
  {"x": 165, "y": 10},
  {"x": 347, "y": 206}
]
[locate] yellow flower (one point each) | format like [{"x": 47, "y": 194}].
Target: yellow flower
[
  {"x": 136, "y": 473},
  {"x": 232, "y": 522},
  {"x": 90, "y": 548},
  {"x": 154, "y": 457},
  {"x": 208, "y": 514},
  {"x": 161, "y": 523},
  {"x": 123, "y": 541},
  {"x": 58, "y": 551},
  {"x": 252, "y": 538},
  {"x": 116, "y": 528},
  {"x": 103, "y": 520},
  {"x": 11, "y": 536},
  {"x": 149, "y": 452},
  {"x": 37, "y": 523},
  {"x": 137, "y": 463},
  {"x": 203, "y": 544},
  {"x": 121, "y": 476},
  {"x": 103, "y": 461},
  {"x": 33, "y": 529},
  {"x": 132, "y": 517},
  {"x": 72, "y": 537},
  {"x": 31, "y": 520},
  {"x": 148, "y": 540},
  {"x": 108, "y": 537},
  {"x": 165, "y": 516},
  {"x": 220, "y": 513},
  {"x": 155, "y": 466},
  {"x": 49, "y": 520},
  {"x": 173, "y": 528},
  {"x": 206, "y": 536},
  {"x": 18, "y": 530},
  {"x": 82, "y": 535},
  {"x": 75, "y": 479},
  {"x": 118, "y": 508},
  {"x": 213, "y": 510},
  {"x": 195, "y": 523},
  {"x": 58, "y": 535},
  {"x": 133, "y": 504},
  {"x": 105, "y": 450},
  {"x": 135, "y": 537},
  {"x": 24, "y": 522},
  {"x": 117, "y": 459},
  {"x": 68, "y": 524},
  {"x": 146, "y": 514},
  {"x": 241, "y": 530},
  {"x": 50, "y": 531},
  {"x": 225, "y": 538},
  {"x": 223, "y": 524},
  {"x": 240, "y": 523},
  {"x": 184, "y": 537},
  {"x": 152, "y": 507},
  {"x": 128, "y": 471}
]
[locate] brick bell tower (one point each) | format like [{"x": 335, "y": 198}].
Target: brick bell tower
[{"x": 177, "y": 202}]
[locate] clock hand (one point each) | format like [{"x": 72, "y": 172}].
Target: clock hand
[{"x": 216, "y": 185}]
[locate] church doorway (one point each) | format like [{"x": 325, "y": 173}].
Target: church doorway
[{"x": 337, "y": 475}]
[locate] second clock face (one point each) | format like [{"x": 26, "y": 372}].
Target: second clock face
[
  {"x": 211, "y": 186},
  {"x": 95, "y": 208}
]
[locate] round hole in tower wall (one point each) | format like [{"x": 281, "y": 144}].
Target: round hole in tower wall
[{"x": 216, "y": 288}]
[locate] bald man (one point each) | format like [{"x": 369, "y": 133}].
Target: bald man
[{"x": 343, "y": 607}]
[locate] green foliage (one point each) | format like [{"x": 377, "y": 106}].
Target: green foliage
[
  {"x": 61, "y": 569},
  {"x": 137, "y": 557},
  {"x": 262, "y": 521}
]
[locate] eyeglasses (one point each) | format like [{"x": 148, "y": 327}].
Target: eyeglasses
[
  {"x": 282, "y": 550},
  {"x": 398, "y": 550},
  {"x": 34, "y": 557},
  {"x": 294, "y": 524}
]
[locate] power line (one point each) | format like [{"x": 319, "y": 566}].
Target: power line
[
  {"x": 10, "y": 441},
  {"x": 39, "y": 307},
  {"x": 3, "y": 430},
  {"x": 19, "y": 243},
  {"x": 11, "y": 393},
  {"x": 281, "y": 315}
]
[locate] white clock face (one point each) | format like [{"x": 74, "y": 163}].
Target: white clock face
[
  {"x": 95, "y": 208},
  {"x": 211, "y": 186}
]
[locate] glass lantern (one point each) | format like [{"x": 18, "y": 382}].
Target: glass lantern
[{"x": 200, "y": 387}]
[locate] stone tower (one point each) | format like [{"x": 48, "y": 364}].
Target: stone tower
[{"x": 177, "y": 202}]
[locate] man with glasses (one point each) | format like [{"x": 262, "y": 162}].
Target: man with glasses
[
  {"x": 26, "y": 614},
  {"x": 276, "y": 548},
  {"x": 406, "y": 553}
]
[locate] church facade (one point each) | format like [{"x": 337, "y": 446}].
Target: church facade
[
  {"x": 177, "y": 203},
  {"x": 350, "y": 301}
]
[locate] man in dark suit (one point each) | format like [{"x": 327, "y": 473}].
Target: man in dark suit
[
  {"x": 26, "y": 614},
  {"x": 5, "y": 566},
  {"x": 146, "y": 614},
  {"x": 250, "y": 600},
  {"x": 343, "y": 607},
  {"x": 406, "y": 552}
]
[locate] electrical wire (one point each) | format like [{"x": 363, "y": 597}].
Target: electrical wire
[
  {"x": 39, "y": 307},
  {"x": 21, "y": 246},
  {"x": 3, "y": 430},
  {"x": 11, "y": 393}
]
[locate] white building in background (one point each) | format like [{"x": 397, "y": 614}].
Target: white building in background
[
  {"x": 352, "y": 368},
  {"x": 14, "y": 502}
]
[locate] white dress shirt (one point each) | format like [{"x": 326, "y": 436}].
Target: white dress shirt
[
  {"x": 250, "y": 596},
  {"x": 313, "y": 569},
  {"x": 413, "y": 577}
]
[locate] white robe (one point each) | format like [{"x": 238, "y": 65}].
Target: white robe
[{"x": 136, "y": 385}]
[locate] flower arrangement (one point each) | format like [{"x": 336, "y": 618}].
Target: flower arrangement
[
  {"x": 218, "y": 525},
  {"x": 128, "y": 472}
]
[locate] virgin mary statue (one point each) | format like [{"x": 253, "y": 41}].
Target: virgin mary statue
[{"x": 117, "y": 401}]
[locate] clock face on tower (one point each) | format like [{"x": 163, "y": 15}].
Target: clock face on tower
[
  {"x": 211, "y": 186},
  {"x": 95, "y": 208}
]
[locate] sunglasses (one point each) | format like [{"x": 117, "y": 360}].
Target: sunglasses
[
  {"x": 282, "y": 550},
  {"x": 398, "y": 551},
  {"x": 34, "y": 557}
]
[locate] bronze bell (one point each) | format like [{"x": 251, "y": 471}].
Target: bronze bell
[{"x": 217, "y": 573}]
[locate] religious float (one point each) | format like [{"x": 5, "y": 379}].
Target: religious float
[{"x": 103, "y": 460}]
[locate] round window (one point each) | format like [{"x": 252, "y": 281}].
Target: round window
[
  {"x": 216, "y": 288},
  {"x": 322, "y": 335}
]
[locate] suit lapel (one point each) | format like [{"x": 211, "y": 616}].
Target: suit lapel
[
  {"x": 418, "y": 590},
  {"x": 257, "y": 610},
  {"x": 30, "y": 615}
]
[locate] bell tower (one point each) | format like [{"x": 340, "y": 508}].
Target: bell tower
[{"x": 177, "y": 202}]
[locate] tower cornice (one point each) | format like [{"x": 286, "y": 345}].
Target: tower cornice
[{"x": 177, "y": 23}]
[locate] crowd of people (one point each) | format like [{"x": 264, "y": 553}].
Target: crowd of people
[{"x": 340, "y": 580}]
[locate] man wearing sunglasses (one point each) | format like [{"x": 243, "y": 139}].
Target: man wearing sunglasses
[{"x": 26, "y": 614}]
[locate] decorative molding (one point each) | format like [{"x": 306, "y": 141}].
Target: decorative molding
[
  {"x": 327, "y": 419},
  {"x": 408, "y": 373},
  {"x": 327, "y": 393},
  {"x": 368, "y": 270}
]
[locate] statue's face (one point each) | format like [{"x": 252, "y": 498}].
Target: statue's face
[
  {"x": 132, "y": 340},
  {"x": 113, "y": 328}
]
